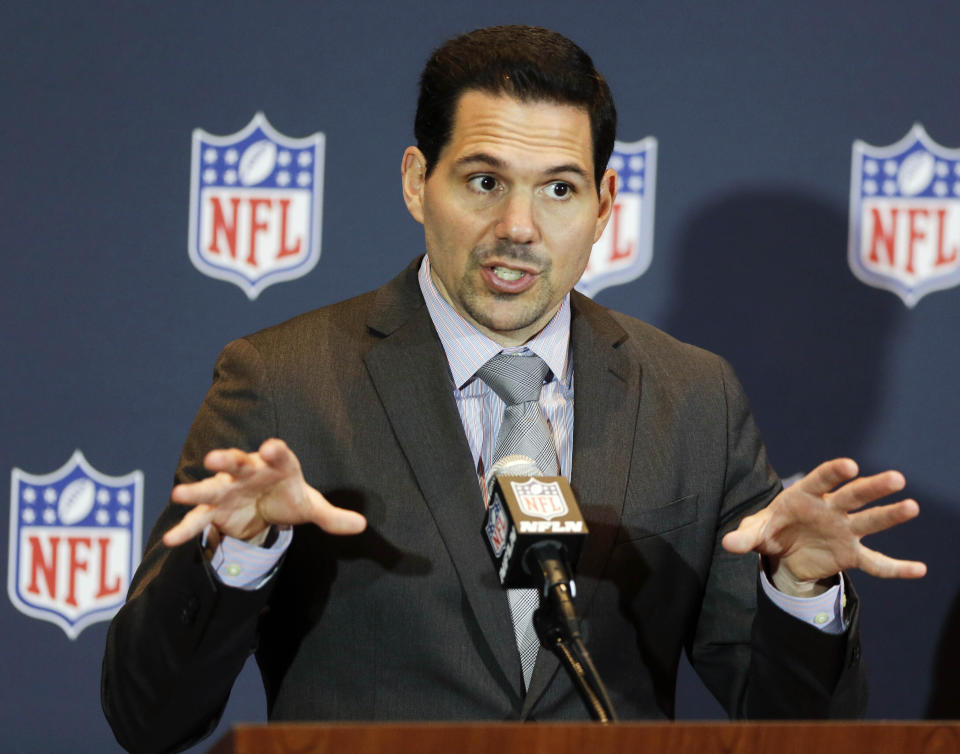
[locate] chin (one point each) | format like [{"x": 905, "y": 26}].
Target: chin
[{"x": 508, "y": 323}]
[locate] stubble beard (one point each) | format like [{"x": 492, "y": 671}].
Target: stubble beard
[{"x": 520, "y": 310}]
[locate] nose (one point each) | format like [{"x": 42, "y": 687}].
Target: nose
[{"x": 517, "y": 223}]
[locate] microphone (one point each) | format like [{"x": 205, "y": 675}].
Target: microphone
[
  {"x": 533, "y": 527},
  {"x": 535, "y": 531}
]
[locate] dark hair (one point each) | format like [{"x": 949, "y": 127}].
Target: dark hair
[{"x": 525, "y": 62}]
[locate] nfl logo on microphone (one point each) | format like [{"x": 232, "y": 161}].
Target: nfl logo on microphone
[
  {"x": 74, "y": 543},
  {"x": 905, "y": 216},
  {"x": 539, "y": 499},
  {"x": 497, "y": 527},
  {"x": 255, "y": 205},
  {"x": 624, "y": 251}
]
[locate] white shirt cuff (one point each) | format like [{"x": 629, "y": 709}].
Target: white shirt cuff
[
  {"x": 825, "y": 611},
  {"x": 242, "y": 565}
]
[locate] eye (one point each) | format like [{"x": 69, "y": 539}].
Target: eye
[
  {"x": 560, "y": 190},
  {"x": 483, "y": 184}
]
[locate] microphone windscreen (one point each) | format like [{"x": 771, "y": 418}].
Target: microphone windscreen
[{"x": 515, "y": 465}]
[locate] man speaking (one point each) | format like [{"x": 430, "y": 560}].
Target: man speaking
[{"x": 331, "y": 490}]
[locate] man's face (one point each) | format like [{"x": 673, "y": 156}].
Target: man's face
[{"x": 510, "y": 210}]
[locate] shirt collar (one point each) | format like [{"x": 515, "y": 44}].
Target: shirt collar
[{"x": 468, "y": 349}]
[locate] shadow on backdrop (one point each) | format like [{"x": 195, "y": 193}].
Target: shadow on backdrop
[{"x": 762, "y": 279}]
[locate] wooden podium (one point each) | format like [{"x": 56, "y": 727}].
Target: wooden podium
[{"x": 580, "y": 738}]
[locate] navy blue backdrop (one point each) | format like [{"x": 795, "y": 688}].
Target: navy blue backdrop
[{"x": 109, "y": 332}]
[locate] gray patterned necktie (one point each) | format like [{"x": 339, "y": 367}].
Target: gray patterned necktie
[{"x": 518, "y": 379}]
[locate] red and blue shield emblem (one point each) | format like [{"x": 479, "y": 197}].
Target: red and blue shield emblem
[
  {"x": 255, "y": 205},
  {"x": 905, "y": 216},
  {"x": 74, "y": 543},
  {"x": 496, "y": 527},
  {"x": 625, "y": 249},
  {"x": 539, "y": 499}
]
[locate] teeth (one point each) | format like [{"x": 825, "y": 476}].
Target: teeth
[{"x": 505, "y": 273}]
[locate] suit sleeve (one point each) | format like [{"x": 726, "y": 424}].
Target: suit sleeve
[
  {"x": 175, "y": 648},
  {"x": 759, "y": 661}
]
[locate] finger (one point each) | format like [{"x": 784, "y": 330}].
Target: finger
[
  {"x": 860, "y": 492},
  {"x": 884, "y": 567},
  {"x": 189, "y": 527},
  {"x": 748, "y": 535},
  {"x": 232, "y": 461},
  {"x": 206, "y": 491},
  {"x": 334, "y": 520},
  {"x": 278, "y": 456},
  {"x": 883, "y": 517},
  {"x": 828, "y": 475}
]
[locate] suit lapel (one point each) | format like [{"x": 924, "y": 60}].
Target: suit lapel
[
  {"x": 409, "y": 371},
  {"x": 606, "y": 400}
]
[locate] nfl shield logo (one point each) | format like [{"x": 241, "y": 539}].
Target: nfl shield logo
[
  {"x": 496, "y": 528},
  {"x": 255, "y": 203},
  {"x": 905, "y": 216},
  {"x": 540, "y": 499},
  {"x": 74, "y": 543},
  {"x": 625, "y": 249}
]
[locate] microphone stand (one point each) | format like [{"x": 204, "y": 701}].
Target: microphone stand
[{"x": 558, "y": 629}]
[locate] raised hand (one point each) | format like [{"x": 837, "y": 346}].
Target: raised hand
[
  {"x": 812, "y": 530},
  {"x": 250, "y": 491}
]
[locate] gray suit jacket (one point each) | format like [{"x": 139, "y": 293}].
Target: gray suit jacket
[{"x": 407, "y": 620}]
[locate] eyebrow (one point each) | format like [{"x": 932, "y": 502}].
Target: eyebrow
[{"x": 496, "y": 162}]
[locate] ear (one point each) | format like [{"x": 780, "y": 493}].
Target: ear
[
  {"x": 608, "y": 196},
  {"x": 413, "y": 177}
]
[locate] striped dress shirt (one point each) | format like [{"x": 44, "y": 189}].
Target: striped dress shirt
[
  {"x": 241, "y": 565},
  {"x": 481, "y": 409}
]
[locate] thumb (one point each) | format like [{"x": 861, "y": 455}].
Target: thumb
[
  {"x": 747, "y": 536},
  {"x": 334, "y": 520}
]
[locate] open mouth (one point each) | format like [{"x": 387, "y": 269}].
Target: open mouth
[
  {"x": 503, "y": 279},
  {"x": 508, "y": 274}
]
